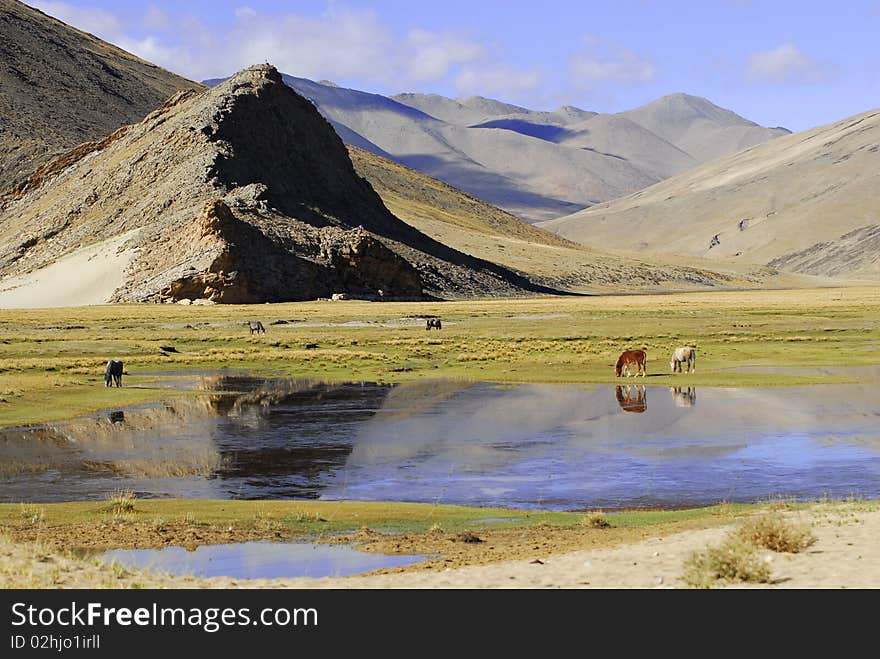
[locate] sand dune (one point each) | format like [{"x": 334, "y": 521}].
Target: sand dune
[{"x": 88, "y": 275}]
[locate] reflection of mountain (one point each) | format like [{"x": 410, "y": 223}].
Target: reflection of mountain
[
  {"x": 457, "y": 442},
  {"x": 281, "y": 437},
  {"x": 246, "y": 438}
]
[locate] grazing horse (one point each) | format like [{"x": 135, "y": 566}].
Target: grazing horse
[
  {"x": 433, "y": 323},
  {"x": 113, "y": 374},
  {"x": 256, "y": 327},
  {"x": 688, "y": 355},
  {"x": 632, "y": 403},
  {"x": 632, "y": 358},
  {"x": 684, "y": 397}
]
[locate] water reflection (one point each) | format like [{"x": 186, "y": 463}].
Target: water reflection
[
  {"x": 546, "y": 446},
  {"x": 632, "y": 398},
  {"x": 684, "y": 396}
]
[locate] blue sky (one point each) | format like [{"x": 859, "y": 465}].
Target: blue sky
[{"x": 794, "y": 64}]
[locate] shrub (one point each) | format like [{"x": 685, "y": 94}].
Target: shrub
[
  {"x": 772, "y": 531},
  {"x": 734, "y": 560}
]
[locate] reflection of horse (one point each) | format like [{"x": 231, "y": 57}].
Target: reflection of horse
[
  {"x": 684, "y": 397},
  {"x": 682, "y": 355},
  {"x": 632, "y": 358},
  {"x": 113, "y": 374},
  {"x": 632, "y": 399}
]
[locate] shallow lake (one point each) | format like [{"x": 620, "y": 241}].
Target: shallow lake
[
  {"x": 257, "y": 560},
  {"x": 533, "y": 446}
]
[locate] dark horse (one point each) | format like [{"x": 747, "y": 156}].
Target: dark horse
[
  {"x": 632, "y": 358},
  {"x": 256, "y": 327},
  {"x": 113, "y": 374},
  {"x": 433, "y": 323}
]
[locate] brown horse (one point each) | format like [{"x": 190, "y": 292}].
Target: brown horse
[
  {"x": 632, "y": 401},
  {"x": 632, "y": 358}
]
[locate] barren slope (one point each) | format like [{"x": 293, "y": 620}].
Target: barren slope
[
  {"x": 805, "y": 202},
  {"x": 534, "y": 164},
  {"x": 474, "y": 227},
  {"x": 241, "y": 193},
  {"x": 60, "y": 87}
]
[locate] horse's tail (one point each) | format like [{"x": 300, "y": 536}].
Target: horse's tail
[{"x": 108, "y": 374}]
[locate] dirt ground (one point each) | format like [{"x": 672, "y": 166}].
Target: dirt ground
[{"x": 846, "y": 555}]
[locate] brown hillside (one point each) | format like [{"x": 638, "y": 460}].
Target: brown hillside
[
  {"x": 60, "y": 87},
  {"x": 469, "y": 225},
  {"x": 805, "y": 203},
  {"x": 240, "y": 193}
]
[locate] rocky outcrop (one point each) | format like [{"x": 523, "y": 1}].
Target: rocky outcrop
[
  {"x": 240, "y": 194},
  {"x": 240, "y": 265}
]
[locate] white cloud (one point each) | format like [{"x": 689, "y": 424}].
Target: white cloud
[
  {"x": 431, "y": 56},
  {"x": 602, "y": 62},
  {"x": 245, "y": 12},
  {"x": 784, "y": 64},
  {"x": 497, "y": 79},
  {"x": 95, "y": 21},
  {"x": 343, "y": 43}
]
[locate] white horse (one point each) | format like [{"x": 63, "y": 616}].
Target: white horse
[{"x": 685, "y": 354}]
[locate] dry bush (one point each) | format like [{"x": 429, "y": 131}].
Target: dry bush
[
  {"x": 596, "y": 520},
  {"x": 121, "y": 501},
  {"x": 734, "y": 560},
  {"x": 774, "y": 532}
]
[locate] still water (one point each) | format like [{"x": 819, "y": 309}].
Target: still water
[
  {"x": 532, "y": 446},
  {"x": 257, "y": 560}
]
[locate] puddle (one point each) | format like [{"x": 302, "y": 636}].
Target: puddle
[
  {"x": 257, "y": 560},
  {"x": 532, "y": 446}
]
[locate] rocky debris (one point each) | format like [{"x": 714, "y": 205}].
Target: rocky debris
[{"x": 855, "y": 250}]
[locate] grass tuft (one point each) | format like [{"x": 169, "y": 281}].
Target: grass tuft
[
  {"x": 121, "y": 501},
  {"x": 732, "y": 561},
  {"x": 774, "y": 532},
  {"x": 596, "y": 520}
]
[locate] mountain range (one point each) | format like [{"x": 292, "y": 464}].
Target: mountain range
[
  {"x": 804, "y": 203},
  {"x": 130, "y": 183},
  {"x": 536, "y": 165}
]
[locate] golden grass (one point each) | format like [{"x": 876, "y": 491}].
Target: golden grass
[
  {"x": 775, "y": 532},
  {"x": 730, "y": 562},
  {"x": 596, "y": 520},
  {"x": 737, "y": 558},
  {"x": 121, "y": 501}
]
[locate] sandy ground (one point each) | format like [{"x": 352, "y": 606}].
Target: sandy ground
[
  {"x": 86, "y": 276},
  {"x": 846, "y": 555}
]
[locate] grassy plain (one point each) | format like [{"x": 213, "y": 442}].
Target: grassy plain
[{"x": 52, "y": 360}]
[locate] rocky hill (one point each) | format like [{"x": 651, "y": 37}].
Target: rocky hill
[
  {"x": 60, "y": 87},
  {"x": 241, "y": 193},
  {"x": 804, "y": 203}
]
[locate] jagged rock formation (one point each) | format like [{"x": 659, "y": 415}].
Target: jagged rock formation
[
  {"x": 241, "y": 193},
  {"x": 60, "y": 87}
]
